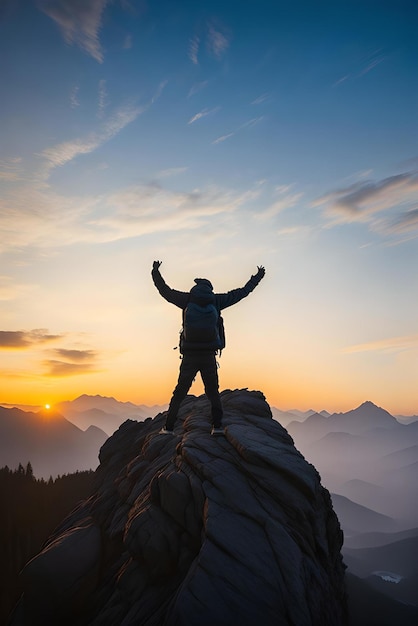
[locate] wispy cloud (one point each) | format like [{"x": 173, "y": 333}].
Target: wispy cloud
[
  {"x": 283, "y": 202},
  {"x": 341, "y": 80},
  {"x": 372, "y": 62},
  {"x": 58, "y": 369},
  {"x": 194, "y": 50},
  {"x": 70, "y": 362},
  {"x": 60, "y": 362},
  {"x": 252, "y": 122},
  {"x": 406, "y": 222},
  {"x": 75, "y": 355},
  {"x": 159, "y": 91},
  {"x": 62, "y": 153},
  {"x": 80, "y": 22},
  {"x": 223, "y": 138},
  {"x": 102, "y": 104},
  {"x": 10, "y": 169},
  {"x": 369, "y": 196},
  {"x": 217, "y": 40},
  {"x": 135, "y": 9},
  {"x": 65, "y": 152},
  {"x": 388, "y": 205},
  {"x": 391, "y": 344},
  {"x": 291, "y": 230},
  {"x": 35, "y": 215},
  {"x": 197, "y": 87},
  {"x": 172, "y": 171},
  {"x": 203, "y": 113},
  {"x": 41, "y": 218},
  {"x": 143, "y": 210},
  {"x": 74, "y": 101},
  {"x": 17, "y": 339},
  {"x": 365, "y": 66},
  {"x": 261, "y": 99}
]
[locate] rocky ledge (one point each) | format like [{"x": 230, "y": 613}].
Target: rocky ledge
[{"x": 195, "y": 530}]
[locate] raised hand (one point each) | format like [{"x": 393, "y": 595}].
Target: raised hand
[{"x": 156, "y": 265}]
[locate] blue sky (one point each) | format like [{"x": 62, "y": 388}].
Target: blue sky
[{"x": 214, "y": 136}]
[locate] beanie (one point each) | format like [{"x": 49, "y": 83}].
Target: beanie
[{"x": 204, "y": 281}]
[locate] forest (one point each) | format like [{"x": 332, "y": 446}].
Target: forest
[{"x": 31, "y": 510}]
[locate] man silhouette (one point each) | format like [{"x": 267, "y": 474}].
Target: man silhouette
[{"x": 200, "y": 356}]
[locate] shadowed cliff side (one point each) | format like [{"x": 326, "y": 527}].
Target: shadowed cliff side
[{"x": 195, "y": 530}]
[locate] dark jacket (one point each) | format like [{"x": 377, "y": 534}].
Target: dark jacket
[{"x": 203, "y": 291}]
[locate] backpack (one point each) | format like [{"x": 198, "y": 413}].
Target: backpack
[{"x": 203, "y": 328}]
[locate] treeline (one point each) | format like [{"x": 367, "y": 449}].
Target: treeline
[{"x": 31, "y": 509}]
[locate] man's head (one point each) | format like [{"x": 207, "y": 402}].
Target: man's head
[{"x": 204, "y": 282}]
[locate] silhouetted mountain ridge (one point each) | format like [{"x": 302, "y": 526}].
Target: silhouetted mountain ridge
[
  {"x": 357, "y": 518},
  {"x": 286, "y": 417},
  {"x": 105, "y": 412},
  {"x": 407, "y": 419},
  {"x": 364, "y": 418},
  {"x": 105, "y": 403},
  {"x": 51, "y": 443},
  {"x": 368, "y": 459},
  {"x": 376, "y": 539},
  {"x": 373, "y": 447}
]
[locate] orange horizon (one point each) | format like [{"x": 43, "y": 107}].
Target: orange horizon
[{"x": 48, "y": 401}]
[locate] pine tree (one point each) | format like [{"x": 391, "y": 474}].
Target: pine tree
[{"x": 29, "y": 471}]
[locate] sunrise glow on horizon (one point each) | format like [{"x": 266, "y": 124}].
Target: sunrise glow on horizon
[{"x": 215, "y": 137}]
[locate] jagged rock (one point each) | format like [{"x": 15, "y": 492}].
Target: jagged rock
[{"x": 196, "y": 530}]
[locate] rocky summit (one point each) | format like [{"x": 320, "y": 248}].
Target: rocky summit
[{"x": 195, "y": 530}]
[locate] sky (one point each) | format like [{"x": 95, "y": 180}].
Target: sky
[{"x": 215, "y": 137}]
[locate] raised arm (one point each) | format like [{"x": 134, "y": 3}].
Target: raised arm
[
  {"x": 225, "y": 300},
  {"x": 179, "y": 298}
]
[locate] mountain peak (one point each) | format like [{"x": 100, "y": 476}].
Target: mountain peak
[
  {"x": 170, "y": 513},
  {"x": 364, "y": 418},
  {"x": 368, "y": 404},
  {"x": 97, "y": 396}
]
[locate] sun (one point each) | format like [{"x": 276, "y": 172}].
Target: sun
[{"x": 47, "y": 406}]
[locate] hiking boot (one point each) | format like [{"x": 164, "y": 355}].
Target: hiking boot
[
  {"x": 165, "y": 431},
  {"x": 217, "y": 431}
]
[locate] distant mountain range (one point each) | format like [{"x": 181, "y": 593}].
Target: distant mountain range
[
  {"x": 368, "y": 459},
  {"x": 365, "y": 455},
  {"x": 355, "y": 422},
  {"x": 65, "y": 438},
  {"x": 52, "y": 444},
  {"x": 106, "y": 413},
  {"x": 356, "y": 518},
  {"x": 406, "y": 419},
  {"x": 286, "y": 417}
]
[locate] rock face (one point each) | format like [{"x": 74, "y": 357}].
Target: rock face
[{"x": 195, "y": 530}]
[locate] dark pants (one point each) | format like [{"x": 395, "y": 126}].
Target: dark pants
[{"x": 192, "y": 363}]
